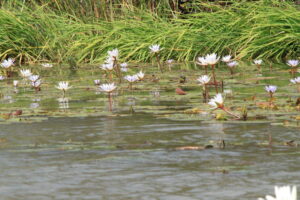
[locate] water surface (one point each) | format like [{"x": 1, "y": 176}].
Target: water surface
[{"x": 135, "y": 157}]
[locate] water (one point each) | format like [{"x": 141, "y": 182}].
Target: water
[{"x": 135, "y": 157}]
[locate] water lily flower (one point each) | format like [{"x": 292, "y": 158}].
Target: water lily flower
[
  {"x": 47, "y": 65},
  {"x": 25, "y": 73},
  {"x": 232, "y": 64},
  {"x": 271, "y": 88},
  {"x": 295, "y": 80},
  {"x": 226, "y": 59},
  {"x": 15, "y": 83},
  {"x": 2, "y": 78},
  {"x": 170, "y": 61},
  {"x": 113, "y": 53},
  {"x": 7, "y": 63},
  {"x": 203, "y": 80},
  {"x": 34, "y": 78},
  {"x": 132, "y": 78},
  {"x": 283, "y": 193},
  {"x": 140, "y": 75},
  {"x": 202, "y": 61},
  {"x": 217, "y": 102},
  {"x": 107, "y": 66},
  {"x": 258, "y": 62},
  {"x": 124, "y": 69},
  {"x": 64, "y": 86},
  {"x": 155, "y": 48},
  {"x": 97, "y": 82},
  {"x": 36, "y": 84},
  {"x": 124, "y": 65},
  {"x": 293, "y": 63},
  {"x": 212, "y": 59},
  {"x": 108, "y": 87}
]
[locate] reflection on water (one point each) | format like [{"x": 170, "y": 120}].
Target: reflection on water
[{"x": 134, "y": 157}]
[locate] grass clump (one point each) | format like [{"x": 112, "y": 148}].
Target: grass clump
[{"x": 264, "y": 29}]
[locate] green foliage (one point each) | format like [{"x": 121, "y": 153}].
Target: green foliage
[{"x": 58, "y": 31}]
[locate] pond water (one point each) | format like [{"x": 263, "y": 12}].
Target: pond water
[
  {"x": 135, "y": 157},
  {"x": 78, "y": 149}
]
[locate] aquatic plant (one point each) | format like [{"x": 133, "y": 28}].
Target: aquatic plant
[
  {"x": 47, "y": 65},
  {"x": 258, "y": 64},
  {"x": 202, "y": 62},
  {"x": 226, "y": 59},
  {"x": 36, "y": 85},
  {"x": 217, "y": 102},
  {"x": 97, "y": 82},
  {"x": 131, "y": 79},
  {"x": 108, "y": 88},
  {"x": 204, "y": 80},
  {"x": 25, "y": 73},
  {"x": 231, "y": 65},
  {"x": 212, "y": 60},
  {"x": 63, "y": 86},
  {"x": 155, "y": 49},
  {"x": 140, "y": 75},
  {"x": 124, "y": 67},
  {"x": 296, "y": 81},
  {"x": 15, "y": 83},
  {"x": 283, "y": 193},
  {"x": 293, "y": 64},
  {"x": 6, "y": 64},
  {"x": 271, "y": 89}
]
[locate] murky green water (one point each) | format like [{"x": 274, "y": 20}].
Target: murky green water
[
  {"x": 79, "y": 150},
  {"x": 136, "y": 158}
]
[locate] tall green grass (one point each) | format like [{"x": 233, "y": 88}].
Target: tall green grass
[{"x": 267, "y": 29}]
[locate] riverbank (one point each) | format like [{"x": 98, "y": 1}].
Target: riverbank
[{"x": 250, "y": 30}]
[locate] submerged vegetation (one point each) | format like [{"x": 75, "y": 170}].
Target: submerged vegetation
[{"x": 73, "y": 32}]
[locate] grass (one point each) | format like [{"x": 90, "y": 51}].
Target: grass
[{"x": 56, "y": 33}]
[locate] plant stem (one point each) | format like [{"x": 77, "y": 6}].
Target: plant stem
[
  {"x": 214, "y": 77},
  {"x": 230, "y": 113}
]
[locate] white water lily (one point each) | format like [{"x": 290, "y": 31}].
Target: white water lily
[
  {"x": 202, "y": 61},
  {"x": 295, "y": 80},
  {"x": 226, "y": 59},
  {"x": 107, "y": 66},
  {"x": 293, "y": 63},
  {"x": 204, "y": 79},
  {"x": 217, "y": 101},
  {"x": 15, "y": 83},
  {"x": 25, "y": 73},
  {"x": 124, "y": 69},
  {"x": 211, "y": 59},
  {"x": 113, "y": 53},
  {"x": 108, "y": 87},
  {"x": 258, "y": 62},
  {"x": 283, "y": 193},
  {"x": 140, "y": 75},
  {"x": 36, "y": 83},
  {"x": 124, "y": 65},
  {"x": 63, "y": 85},
  {"x": 97, "y": 82},
  {"x": 232, "y": 64},
  {"x": 7, "y": 63},
  {"x": 170, "y": 61},
  {"x": 47, "y": 65},
  {"x": 132, "y": 78},
  {"x": 155, "y": 48},
  {"x": 34, "y": 78},
  {"x": 271, "y": 88}
]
